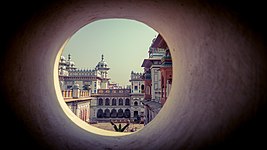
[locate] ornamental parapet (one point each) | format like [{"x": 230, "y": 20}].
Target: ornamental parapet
[{"x": 69, "y": 93}]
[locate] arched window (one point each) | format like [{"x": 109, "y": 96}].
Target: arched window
[
  {"x": 113, "y": 113},
  {"x": 135, "y": 114},
  {"x": 100, "y": 101},
  {"x": 100, "y": 113},
  {"x": 107, "y": 101},
  {"x": 127, "y": 113},
  {"x": 135, "y": 103},
  {"x": 127, "y": 101},
  {"x": 107, "y": 113},
  {"x": 120, "y": 101},
  {"x": 114, "y": 102},
  {"x": 142, "y": 87},
  {"x": 120, "y": 113}
]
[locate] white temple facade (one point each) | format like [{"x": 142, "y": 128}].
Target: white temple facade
[
  {"x": 108, "y": 100},
  {"x": 94, "y": 78}
]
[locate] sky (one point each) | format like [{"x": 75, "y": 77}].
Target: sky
[{"x": 124, "y": 44}]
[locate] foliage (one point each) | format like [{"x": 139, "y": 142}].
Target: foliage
[{"x": 120, "y": 128}]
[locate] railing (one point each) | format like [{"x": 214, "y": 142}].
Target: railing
[
  {"x": 164, "y": 58},
  {"x": 69, "y": 93},
  {"x": 156, "y": 50},
  {"x": 84, "y": 93}
]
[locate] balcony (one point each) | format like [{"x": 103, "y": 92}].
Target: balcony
[{"x": 166, "y": 61}]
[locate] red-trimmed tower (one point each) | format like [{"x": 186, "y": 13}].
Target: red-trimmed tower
[{"x": 166, "y": 76}]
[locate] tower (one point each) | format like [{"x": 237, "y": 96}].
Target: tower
[
  {"x": 137, "y": 95},
  {"x": 102, "y": 68}
]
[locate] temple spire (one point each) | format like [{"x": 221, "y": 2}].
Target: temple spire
[
  {"x": 102, "y": 57},
  {"x": 69, "y": 57}
]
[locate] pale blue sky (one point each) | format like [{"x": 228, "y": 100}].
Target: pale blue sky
[{"x": 124, "y": 44}]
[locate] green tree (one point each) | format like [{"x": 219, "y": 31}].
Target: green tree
[{"x": 120, "y": 128}]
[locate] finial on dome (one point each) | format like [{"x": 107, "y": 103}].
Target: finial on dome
[{"x": 102, "y": 57}]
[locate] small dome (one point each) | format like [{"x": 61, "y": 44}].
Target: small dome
[
  {"x": 72, "y": 64},
  {"x": 62, "y": 59},
  {"x": 102, "y": 63}
]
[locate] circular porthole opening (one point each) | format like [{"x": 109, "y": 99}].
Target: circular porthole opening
[{"x": 115, "y": 74}]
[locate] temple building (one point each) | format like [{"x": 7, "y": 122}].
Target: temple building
[
  {"x": 137, "y": 95},
  {"x": 157, "y": 77},
  {"x": 140, "y": 101},
  {"x": 94, "y": 78},
  {"x": 107, "y": 100},
  {"x": 119, "y": 104},
  {"x": 78, "y": 101}
]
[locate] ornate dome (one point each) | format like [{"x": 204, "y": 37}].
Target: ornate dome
[
  {"x": 62, "y": 59},
  {"x": 72, "y": 64},
  {"x": 102, "y": 63}
]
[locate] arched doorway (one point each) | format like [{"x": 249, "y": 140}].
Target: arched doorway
[
  {"x": 127, "y": 101},
  {"x": 100, "y": 113},
  {"x": 107, "y": 102},
  {"x": 114, "y": 102},
  {"x": 120, "y": 101},
  {"x": 120, "y": 113},
  {"x": 113, "y": 113},
  {"x": 107, "y": 113},
  {"x": 127, "y": 113},
  {"x": 100, "y": 101}
]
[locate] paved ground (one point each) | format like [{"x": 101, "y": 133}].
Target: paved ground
[{"x": 108, "y": 126}]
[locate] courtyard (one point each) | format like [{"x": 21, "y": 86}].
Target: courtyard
[{"x": 107, "y": 126}]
